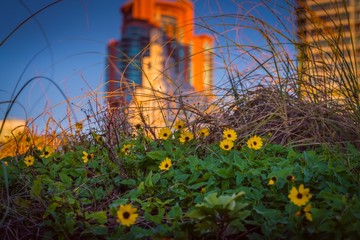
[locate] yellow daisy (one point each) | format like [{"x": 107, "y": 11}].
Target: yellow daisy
[
  {"x": 97, "y": 137},
  {"x": 307, "y": 211},
  {"x": 272, "y": 181},
  {"x": 255, "y": 142},
  {"x": 230, "y": 134},
  {"x": 126, "y": 148},
  {"x": 186, "y": 136},
  {"x": 291, "y": 178},
  {"x": 86, "y": 157},
  {"x": 29, "y": 160},
  {"x": 203, "y": 132},
  {"x": 127, "y": 215},
  {"x": 79, "y": 126},
  {"x": 164, "y": 133},
  {"x": 166, "y": 164},
  {"x": 48, "y": 151},
  {"x": 299, "y": 196},
  {"x": 179, "y": 125},
  {"x": 226, "y": 144}
]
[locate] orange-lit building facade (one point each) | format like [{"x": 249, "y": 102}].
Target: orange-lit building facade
[{"x": 158, "y": 52}]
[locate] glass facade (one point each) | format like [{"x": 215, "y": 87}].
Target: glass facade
[{"x": 156, "y": 48}]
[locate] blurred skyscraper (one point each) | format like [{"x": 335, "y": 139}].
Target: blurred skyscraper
[
  {"x": 158, "y": 55},
  {"x": 329, "y": 33}
]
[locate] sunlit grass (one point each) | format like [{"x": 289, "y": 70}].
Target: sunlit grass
[{"x": 266, "y": 153}]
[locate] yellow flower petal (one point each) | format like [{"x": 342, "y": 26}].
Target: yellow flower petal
[{"x": 127, "y": 215}]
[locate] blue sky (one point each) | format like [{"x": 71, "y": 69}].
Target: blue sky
[{"x": 67, "y": 43}]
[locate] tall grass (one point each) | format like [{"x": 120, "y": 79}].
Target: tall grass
[{"x": 276, "y": 84}]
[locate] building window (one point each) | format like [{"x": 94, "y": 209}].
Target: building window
[
  {"x": 329, "y": 5},
  {"x": 168, "y": 25}
]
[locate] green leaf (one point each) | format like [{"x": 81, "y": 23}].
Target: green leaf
[
  {"x": 99, "y": 193},
  {"x": 196, "y": 214},
  {"x": 157, "y": 155},
  {"x": 242, "y": 214},
  {"x": 175, "y": 212},
  {"x": 99, "y": 230},
  {"x": 51, "y": 209},
  {"x": 36, "y": 188},
  {"x": 181, "y": 176},
  {"x": 267, "y": 213},
  {"x": 212, "y": 199},
  {"x": 224, "y": 172},
  {"x": 155, "y": 218},
  {"x": 71, "y": 200},
  {"x": 128, "y": 182},
  {"x": 148, "y": 180},
  {"x": 100, "y": 216},
  {"x": 69, "y": 225},
  {"x": 198, "y": 185},
  {"x": 65, "y": 178},
  {"x": 141, "y": 186}
]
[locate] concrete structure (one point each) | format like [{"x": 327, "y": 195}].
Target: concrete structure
[
  {"x": 158, "y": 57},
  {"x": 329, "y": 31},
  {"x": 11, "y": 128}
]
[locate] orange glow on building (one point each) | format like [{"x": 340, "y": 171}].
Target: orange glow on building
[{"x": 187, "y": 55}]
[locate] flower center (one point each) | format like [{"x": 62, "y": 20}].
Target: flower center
[
  {"x": 187, "y": 138},
  {"x": 226, "y": 146},
  {"x": 166, "y": 165},
  {"x": 46, "y": 153},
  {"x": 126, "y": 215},
  {"x": 165, "y": 134},
  {"x": 229, "y": 135},
  {"x": 88, "y": 156},
  {"x": 299, "y": 196},
  {"x": 254, "y": 143}
]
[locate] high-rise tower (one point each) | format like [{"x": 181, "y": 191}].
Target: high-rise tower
[
  {"x": 158, "y": 53},
  {"x": 329, "y": 33}
]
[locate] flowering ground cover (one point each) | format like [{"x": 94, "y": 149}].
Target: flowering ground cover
[{"x": 180, "y": 185}]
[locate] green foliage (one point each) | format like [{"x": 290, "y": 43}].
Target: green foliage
[
  {"x": 220, "y": 216},
  {"x": 216, "y": 194}
]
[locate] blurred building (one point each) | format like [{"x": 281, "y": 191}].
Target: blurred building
[
  {"x": 329, "y": 33},
  {"x": 158, "y": 56}
]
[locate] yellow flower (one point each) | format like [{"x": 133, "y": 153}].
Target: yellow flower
[
  {"x": 179, "y": 125},
  {"x": 203, "y": 190},
  {"x": 291, "y": 178},
  {"x": 127, "y": 215},
  {"x": 97, "y": 137},
  {"x": 203, "y": 132},
  {"x": 79, "y": 126},
  {"x": 226, "y": 144},
  {"x": 86, "y": 157},
  {"x": 29, "y": 160},
  {"x": 164, "y": 133},
  {"x": 186, "y": 136},
  {"x": 306, "y": 211},
  {"x": 229, "y": 134},
  {"x": 48, "y": 151},
  {"x": 255, "y": 142},
  {"x": 126, "y": 148},
  {"x": 166, "y": 164},
  {"x": 272, "y": 181},
  {"x": 299, "y": 197}
]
